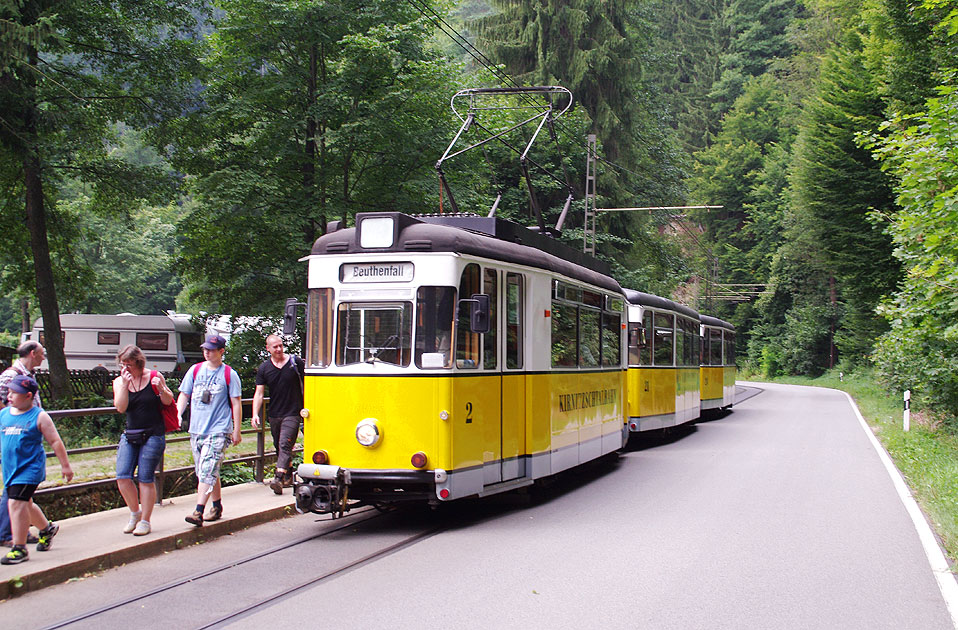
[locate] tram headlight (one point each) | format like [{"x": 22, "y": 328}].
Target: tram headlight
[{"x": 368, "y": 432}]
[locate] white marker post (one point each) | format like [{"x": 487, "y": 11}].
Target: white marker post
[{"x": 906, "y": 419}]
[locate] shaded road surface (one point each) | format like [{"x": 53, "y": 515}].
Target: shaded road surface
[{"x": 778, "y": 515}]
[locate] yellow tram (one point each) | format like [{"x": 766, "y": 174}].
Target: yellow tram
[
  {"x": 663, "y": 374},
  {"x": 453, "y": 356},
  {"x": 718, "y": 363}
]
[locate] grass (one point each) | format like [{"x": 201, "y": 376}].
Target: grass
[{"x": 927, "y": 455}]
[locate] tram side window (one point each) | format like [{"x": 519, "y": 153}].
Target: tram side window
[
  {"x": 467, "y": 342},
  {"x": 715, "y": 346},
  {"x": 611, "y": 339},
  {"x": 319, "y": 327},
  {"x": 491, "y": 288},
  {"x": 588, "y": 337},
  {"x": 435, "y": 309},
  {"x": 637, "y": 341},
  {"x": 514, "y": 309},
  {"x": 679, "y": 340},
  {"x": 704, "y": 348},
  {"x": 691, "y": 330},
  {"x": 730, "y": 348},
  {"x": 646, "y": 348},
  {"x": 663, "y": 339},
  {"x": 374, "y": 332},
  {"x": 564, "y": 335}
]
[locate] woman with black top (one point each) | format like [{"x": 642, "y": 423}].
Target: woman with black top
[{"x": 144, "y": 440}]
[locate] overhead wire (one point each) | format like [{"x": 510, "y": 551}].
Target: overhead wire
[{"x": 461, "y": 40}]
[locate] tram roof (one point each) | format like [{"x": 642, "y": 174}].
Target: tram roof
[
  {"x": 708, "y": 320},
  {"x": 488, "y": 237},
  {"x": 655, "y": 301}
]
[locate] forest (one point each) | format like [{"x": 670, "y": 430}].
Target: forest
[{"x": 184, "y": 154}]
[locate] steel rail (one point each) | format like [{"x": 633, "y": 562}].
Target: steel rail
[{"x": 370, "y": 515}]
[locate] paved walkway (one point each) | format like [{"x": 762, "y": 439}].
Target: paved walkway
[{"x": 96, "y": 542}]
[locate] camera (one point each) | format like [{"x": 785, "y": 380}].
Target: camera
[{"x": 205, "y": 397}]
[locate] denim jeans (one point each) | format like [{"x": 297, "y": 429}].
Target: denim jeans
[
  {"x": 144, "y": 458},
  {"x": 5, "y": 532}
]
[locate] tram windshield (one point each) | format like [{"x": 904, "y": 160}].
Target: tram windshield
[{"x": 371, "y": 332}]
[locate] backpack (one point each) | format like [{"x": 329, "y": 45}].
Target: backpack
[
  {"x": 170, "y": 419},
  {"x": 196, "y": 370}
]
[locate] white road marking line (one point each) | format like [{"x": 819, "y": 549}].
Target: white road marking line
[{"x": 936, "y": 558}]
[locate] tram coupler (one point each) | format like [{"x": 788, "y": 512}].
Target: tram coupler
[{"x": 323, "y": 489}]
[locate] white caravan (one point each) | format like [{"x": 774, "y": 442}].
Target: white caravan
[{"x": 170, "y": 342}]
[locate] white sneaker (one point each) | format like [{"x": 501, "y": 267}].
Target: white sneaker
[
  {"x": 134, "y": 519},
  {"x": 142, "y": 528}
]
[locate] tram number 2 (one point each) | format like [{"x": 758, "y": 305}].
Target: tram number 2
[{"x": 468, "y": 413}]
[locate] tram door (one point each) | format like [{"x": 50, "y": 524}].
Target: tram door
[{"x": 513, "y": 379}]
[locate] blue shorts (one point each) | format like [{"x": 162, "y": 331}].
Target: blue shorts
[{"x": 143, "y": 458}]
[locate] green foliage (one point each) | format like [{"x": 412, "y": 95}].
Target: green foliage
[
  {"x": 920, "y": 350},
  {"x": 314, "y": 111},
  {"x": 836, "y": 184},
  {"x": 600, "y": 51},
  {"x": 758, "y": 38},
  {"x": 234, "y": 474}
]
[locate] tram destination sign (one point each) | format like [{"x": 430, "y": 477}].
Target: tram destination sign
[{"x": 376, "y": 272}]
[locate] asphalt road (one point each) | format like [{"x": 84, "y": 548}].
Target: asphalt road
[{"x": 778, "y": 515}]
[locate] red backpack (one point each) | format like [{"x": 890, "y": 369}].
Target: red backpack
[
  {"x": 196, "y": 370},
  {"x": 170, "y": 418}
]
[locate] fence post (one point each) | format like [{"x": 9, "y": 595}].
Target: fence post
[
  {"x": 261, "y": 443},
  {"x": 160, "y": 484}
]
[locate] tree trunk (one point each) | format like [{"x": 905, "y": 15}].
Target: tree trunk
[
  {"x": 26, "y": 324},
  {"x": 40, "y": 247}
]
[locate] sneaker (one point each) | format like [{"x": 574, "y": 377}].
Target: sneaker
[
  {"x": 15, "y": 556},
  {"x": 31, "y": 540},
  {"x": 142, "y": 528},
  {"x": 215, "y": 513},
  {"x": 196, "y": 518},
  {"x": 276, "y": 485},
  {"x": 134, "y": 519},
  {"x": 46, "y": 536},
  {"x": 288, "y": 480}
]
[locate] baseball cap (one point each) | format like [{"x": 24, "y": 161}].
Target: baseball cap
[
  {"x": 23, "y": 384},
  {"x": 214, "y": 342}
]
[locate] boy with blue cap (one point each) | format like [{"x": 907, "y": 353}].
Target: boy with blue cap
[
  {"x": 23, "y": 427},
  {"x": 212, "y": 391}
]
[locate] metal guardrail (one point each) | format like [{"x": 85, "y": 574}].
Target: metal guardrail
[{"x": 258, "y": 460}]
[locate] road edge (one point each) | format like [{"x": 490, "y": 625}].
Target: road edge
[{"x": 947, "y": 583}]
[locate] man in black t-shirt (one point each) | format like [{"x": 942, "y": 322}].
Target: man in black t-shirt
[{"x": 283, "y": 374}]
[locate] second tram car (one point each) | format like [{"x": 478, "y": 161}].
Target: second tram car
[
  {"x": 454, "y": 356},
  {"x": 717, "y": 371},
  {"x": 663, "y": 377}
]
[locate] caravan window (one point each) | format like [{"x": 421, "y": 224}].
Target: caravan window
[
  {"x": 108, "y": 338},
  {"x": 153, "y": 341}
]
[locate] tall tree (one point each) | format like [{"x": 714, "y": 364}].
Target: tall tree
[
  {"x": 692, "y": 36},
  {"x": 600, "y": 51},
  {"x": 68, "y": 71},
  {"x": 836, "y": 184},
  {"x": 314, "y": 111}
]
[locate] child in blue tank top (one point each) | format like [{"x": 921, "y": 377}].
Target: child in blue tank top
[{"x": 23, "y": 428}]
